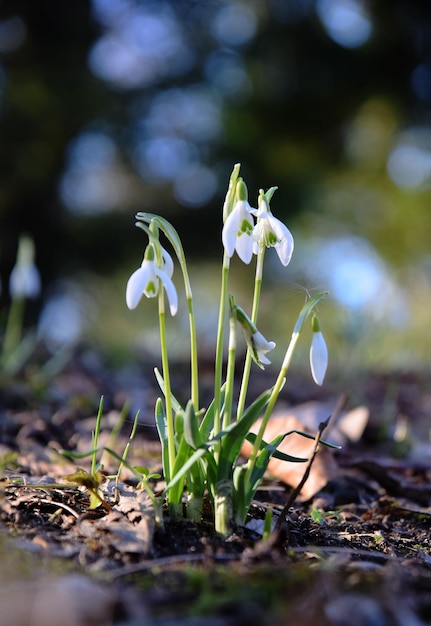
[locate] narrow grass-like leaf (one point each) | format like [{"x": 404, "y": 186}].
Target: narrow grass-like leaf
[
  {"x": 234, "y": 435},
  {"x": 282, "y": 456},
  {"x": 174, "y": 402},
  {"x": 307, "y": 310},
  {"x": 207, "y": 423},
  {"x": 191, "y": 427}
]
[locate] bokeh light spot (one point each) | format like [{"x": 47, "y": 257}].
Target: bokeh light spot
[
  {"x": 235, "y": 24},
  {"x": 409, "y": 163},
  {"x": 163, "y": 157},
  {"x": 140, "y": 47},
  {"x": 346, "y": 21},
  {"x": 227, "y": 73},
  {"x": 12, "y": 34},
  {"x": 196, "y": 186}
]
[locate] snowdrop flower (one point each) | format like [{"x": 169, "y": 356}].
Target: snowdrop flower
[
  {"x": 145, "y": 280},
  {"x": 318, "y": 353},
  {"x": 259, "y": 347},
  {"x": 24, "y": 280},
  {"x": 256, "y": 342},
  {"x": 237, "y": 231},
  {"x": 271, "y": 232}
]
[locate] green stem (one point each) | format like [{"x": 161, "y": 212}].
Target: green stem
[
  {"x": 303, "y": 315},
  {"x": 219, "y": 346},
  {"x": 255, "y": 309},
  {"x": 13, "y": 331},
  {"x": 194, "y": 373},
  {"x": 279, "y": 383},
  {"x": 167, "y": 381},
  {"x": 156, "y": 222},
  {"x": 223, "y": 511},
  {"x": 230, "y": 373}
]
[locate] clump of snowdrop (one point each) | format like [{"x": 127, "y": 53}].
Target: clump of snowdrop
[
  {"x": 201, "y": 446},
  {"x": 24, "y": 280},
  {"x": 24, "y": 284}
]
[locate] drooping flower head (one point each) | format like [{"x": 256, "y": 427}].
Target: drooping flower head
[
  {"x": 270, "y": 231},
  {"x": 24, "y": 280},
  {"x": 237, "y": 231},
  {"x": 256, "y": 342},
  {"x": 146, "y": 280},
  {"x": 318, "y": 353}
]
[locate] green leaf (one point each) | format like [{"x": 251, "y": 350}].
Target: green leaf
[
  {"x": 191, "y": 427},
  {"x": 207, "y": 423},
  {"x": 307, "y": 309},
  {"x": 162, "y": 429},
  {"x": 84, "y": 479},
  {"x": 233, "y": 436},
  {"x": 282, "y": 456},
  {"x": 183, "y": 469},
  {"x": 174, "y": 402}
]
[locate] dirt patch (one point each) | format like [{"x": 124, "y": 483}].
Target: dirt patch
[{"x": 357, "y": 552}]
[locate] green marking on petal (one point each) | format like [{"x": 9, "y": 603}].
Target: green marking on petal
[
  {"x": 246, "y": 228},
  {"x": 272, "y": 239},
  {"x": 151, "y": 289}
]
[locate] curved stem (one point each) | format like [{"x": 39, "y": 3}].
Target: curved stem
[
  {"x": 303, "y": 315},
  {"x": 167, "y": 381}
]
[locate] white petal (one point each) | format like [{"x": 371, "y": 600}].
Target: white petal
[
  {"x": 318, "y": 358},
  {"x": 244, "y": 247},
  {"x": 230, "y": 232},
  {"x": 171, "y": 292},
  {"x": 261, "y": 344},
  {"x": 136, "y": 285},
  {"x": 168, "y": 264},
  {"x": 262, "y": 358},
  {"x": 286, "y": 243}
]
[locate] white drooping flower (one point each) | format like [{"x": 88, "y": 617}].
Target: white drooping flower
[
  {"x": 271, "y": 232},
  {"x": 146, "y": 279},
  {"x": 318, "y": 353},
  {"x": 24, "y": 280},
  {"x": 237, "y": 231},
  {"x": 256, "y": 342},
  {"x": 260, "y": 346}
]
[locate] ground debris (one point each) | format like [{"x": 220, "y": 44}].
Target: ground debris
[{"x": 357, "y": 551}]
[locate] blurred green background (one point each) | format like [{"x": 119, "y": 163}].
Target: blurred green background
[{"x": 109, "y": 107}]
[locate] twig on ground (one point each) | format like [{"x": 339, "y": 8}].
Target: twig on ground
[{"x": 280, "y": 532}]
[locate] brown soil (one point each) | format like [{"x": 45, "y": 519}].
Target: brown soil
[{"x": 357, "y": 553}]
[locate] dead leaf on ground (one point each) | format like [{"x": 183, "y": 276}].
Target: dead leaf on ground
[
  {"x": 129, "y": 527},
  {"x": 307, "y": 417}
]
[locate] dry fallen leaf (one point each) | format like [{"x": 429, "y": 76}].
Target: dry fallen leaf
[
  {"x": 129, "y": 526},
  {"x": 307, "y": 417}
]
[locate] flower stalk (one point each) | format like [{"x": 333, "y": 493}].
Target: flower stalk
[{"x": 201, "y": 447}]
